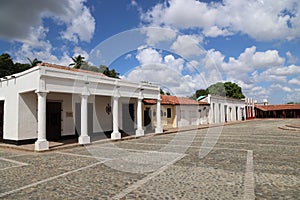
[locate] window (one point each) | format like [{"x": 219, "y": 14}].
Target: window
[{"x": 169, "y": 114}]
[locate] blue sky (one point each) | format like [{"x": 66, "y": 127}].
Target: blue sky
[{"x": 182, "y": 45}]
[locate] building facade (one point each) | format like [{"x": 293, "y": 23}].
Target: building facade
[
  {"x": 177, "y": 112},
  {"x": 223, "y": 109},
  {"x": 278, "y": 111},
  {"x": 49, "y": 102}
]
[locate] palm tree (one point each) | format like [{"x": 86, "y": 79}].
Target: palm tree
[
  {"x": 77, "y": 61},
  {"x": 34, "y": 62}
]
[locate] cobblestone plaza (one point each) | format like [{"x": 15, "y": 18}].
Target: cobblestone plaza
[{"x": 250, "y": 160}]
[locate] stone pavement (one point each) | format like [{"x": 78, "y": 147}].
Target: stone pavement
[{"x": 254, "y": 159}]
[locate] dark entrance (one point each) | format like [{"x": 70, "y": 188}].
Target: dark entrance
[
  {"x": 1, "y": 120},
  {"x": 53, "y": 121},
  {"x": 147, "y": 119},
  {"x": 78, "y": 118},
  {"x": 128, "y": 118}
]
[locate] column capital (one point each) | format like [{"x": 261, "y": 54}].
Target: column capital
[{"x": 41, "y": 91}]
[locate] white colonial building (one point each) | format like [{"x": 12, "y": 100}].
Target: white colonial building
[
  {"x": 224, "y": 109},
  {"x": 49, "y": 102},
  {"x": 177, "y": 112}
]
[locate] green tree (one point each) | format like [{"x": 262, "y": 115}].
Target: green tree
[
  {"x": 233, "y": 90},
  {"x": 8, "y": 67},
  {"x": 77, "y": 61},
  {"x": 227, "y": 89},
  {"x": 34, "y": 62},
  {"x": 110, "y": 73},
  {"x": 217, "y": 89}
]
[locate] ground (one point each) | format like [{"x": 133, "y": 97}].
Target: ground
[{"x": 249, "y": 160}]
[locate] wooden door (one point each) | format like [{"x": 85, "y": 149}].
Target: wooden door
[{"x": 53, "y": 121}]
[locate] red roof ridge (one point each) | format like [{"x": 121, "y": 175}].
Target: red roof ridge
[
  {"x": 70, "y": 69},
  {"x": 278, "y": 107},
  {"x": 175, "y": 100}
]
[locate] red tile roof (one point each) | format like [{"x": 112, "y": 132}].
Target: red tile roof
[
  {"x": 278, "y": 107},
  {"x": 70, "y": 69},
  {"x": 173, "y": 100}
]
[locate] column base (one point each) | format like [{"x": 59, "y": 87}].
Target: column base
[
  {"x": 139, "y": 132},
  {"x": 159, "y": 130},
  {"x": 84, "y": 139},
  {"x": 41, "y": 145},
  {"x": 115, "y": 135}
]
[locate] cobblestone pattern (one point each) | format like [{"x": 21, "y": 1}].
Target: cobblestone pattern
[{"x": 102, "y": 171}]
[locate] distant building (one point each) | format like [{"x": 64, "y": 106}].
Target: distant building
[
  {"x": 224, "y": 109},
  {"x": 176, "y": 112},
  {"x": 277, "y": 111},
  {"x": 250, "y": 104}
]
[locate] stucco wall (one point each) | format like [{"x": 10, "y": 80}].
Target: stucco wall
[
  {"x": 224, "y": 109},
  {"x": 27, "y": 122},
  {"x": 102, "y": 120},
  {"x": 9, "y": 92}
]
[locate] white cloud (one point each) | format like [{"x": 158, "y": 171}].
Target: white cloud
[
  {"x": 215, "y": 31},
  {"x": 166, "y": 71},
  {"x": 156, "y": 35},
  {"x": 187, "y": 46},
  {"x": 250, "y": 60},
  {"x": 148, "y": 56},
  {"x": 291, "y": 58},
  {"x": 295, "y": 81},
  {"x": 283, "y": 88},
  {"x": 82, "y": 24},
  {"x": 27, "y": 17},
  {"x": 262, "y": 20}
]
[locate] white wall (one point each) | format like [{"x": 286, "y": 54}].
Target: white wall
[
  {"x": 217, "y": 109},
  {"x": 102, "y": 120},
  {"x": 9, "y": 92},
  {"x": 27, "y": 121}
]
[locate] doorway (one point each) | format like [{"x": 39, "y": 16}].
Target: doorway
[
  {"x": 53, "y": 121},
  {"x": 147, "y": 119},
  {"x": 1, "y": 120},
  {"x": 128, "y": 118}
]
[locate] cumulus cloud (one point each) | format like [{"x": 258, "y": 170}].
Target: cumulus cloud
[
  {"x": 272, "y": 19},
  {"x": 155, "y": 35},
  {"x": 295, "y": 81},
  {"x": 188, "y": 45},
  {"x": 291, "y": 58},
  {"x": 27, "y": 17},
  {"x": 167, "y": 71},
  {"x": 250, "y": 60}
]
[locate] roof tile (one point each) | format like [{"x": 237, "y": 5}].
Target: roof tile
[
  {"x": 278, "y": 107},
  {"x": 70, "y": 69}
]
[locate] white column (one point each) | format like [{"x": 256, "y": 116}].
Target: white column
[
  {"x": 139, "y": 131},
  {"x": 84, "y": 138},
  {"x": 253, "y": 114},
  {"x": 41, "y": 143},
  {"x": 158, "y": 128},
  {"x": 116, "y": 134}
]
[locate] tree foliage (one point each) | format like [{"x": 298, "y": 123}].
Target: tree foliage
[
  {"x": 227, "y": 89},
  {"x": 77, "y": 61},
  {"x": 34, "y": 62},
  {"x": 8, "y": 67},
  {"x": 110, "y": 73},
  {"x": 80, "y": 63}
]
